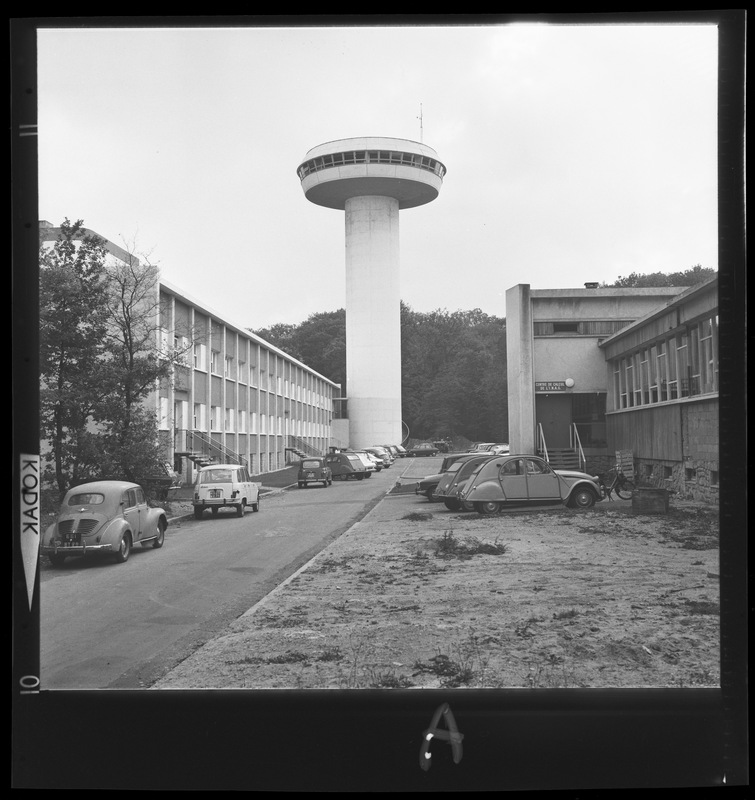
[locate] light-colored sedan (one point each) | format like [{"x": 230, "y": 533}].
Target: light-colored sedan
[
  {"x": 528, "y": 479},
  {"x": 104, "y": 517}
]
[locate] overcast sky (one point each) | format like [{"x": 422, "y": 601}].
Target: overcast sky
[{"x": 574, "y": 153}]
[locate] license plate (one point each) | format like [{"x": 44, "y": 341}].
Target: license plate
[{"x": 310, "y": 474}]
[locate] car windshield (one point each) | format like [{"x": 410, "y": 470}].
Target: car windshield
[
  {"x": 353, "y": 457},
  {"x": 455, "y": 466},
  {"x": 86, "y": 499},
  {"x": 216, "y": 476},
  {"x": 310, "y": 464}
]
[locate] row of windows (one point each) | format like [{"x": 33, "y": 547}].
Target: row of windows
[
  {"x": 232, "y": 420},
  {"x": 238, "y": 370},
  {"x": 371, "y": 157},
  {"x": 601, "y": 327},
  {"x": 684, "y": 364}
]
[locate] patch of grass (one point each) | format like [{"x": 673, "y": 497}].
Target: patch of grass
[
  {"x": 417, "y": 516},
  {"x": 449, "y": 546},
  {"x": 388, "y": 680},
  {"x": 452, "y": 674},
  {"x": 467, "y": 664},
  {"x": 702, "y": 607},
  {"x": 570, "y": 614}
]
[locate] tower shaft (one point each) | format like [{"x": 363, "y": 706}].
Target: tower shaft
[{"x": 373, "y": 320}]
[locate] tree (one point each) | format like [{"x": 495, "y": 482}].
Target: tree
[
  {"x": 688, "y": 277},
  {"x": 100, "y": 360},
  {"x": 135, "y": 365},
  {"x": 72, "y": 296}
]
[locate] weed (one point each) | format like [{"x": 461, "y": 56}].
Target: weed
[
  {"x": 448, "y": 546},
  {"x": 702, "y": 607},
  {"x": 330, "y": 654},
  {"x": 388, "y": 680},
  {"x": 417, "y": 516},
  {"x": 570, "y": 614},
  {"x": 468, "y": 664},
  {"x": 290, "y": 657}
]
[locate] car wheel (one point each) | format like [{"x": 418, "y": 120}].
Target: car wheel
[
  {"x": 452, "y": 504},
  {"x": 325, "y": 484},
  {"x": 160, "y": 541},
  {"x": 240, "y": 508},
  {"x": 301, "y": 485},
  {"x": 360, "y": 477},
  {"x": 429, "y": 494},
  {"x": 487, "y": 507},
  {"x": 57, "y": 559},
  {"x": 256, "y": 504},
  {"x": 124, "y": 548},
  {"x": 198, "y": 511},
  {"x": 466, "y": 505},
  {"x": 582, "y": 498}
]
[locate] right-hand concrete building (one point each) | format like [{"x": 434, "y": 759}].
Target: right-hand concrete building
[{"x": 595, "y": 370}]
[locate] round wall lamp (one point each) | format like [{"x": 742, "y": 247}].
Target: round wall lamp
[{"x": 569, "y": 382}]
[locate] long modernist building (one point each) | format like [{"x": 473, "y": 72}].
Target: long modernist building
[
  {"x": 236, "y": 397},
  {"x": 596, "y": 370},
  {"x": 233, "y": 396}
]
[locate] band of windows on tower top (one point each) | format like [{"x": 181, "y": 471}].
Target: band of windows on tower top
[{"x": 371, "y": 157}]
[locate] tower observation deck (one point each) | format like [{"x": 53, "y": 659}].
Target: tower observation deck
[{"x": 371, "y": 179}]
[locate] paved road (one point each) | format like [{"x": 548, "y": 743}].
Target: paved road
[{"x": 107, "y": 625}]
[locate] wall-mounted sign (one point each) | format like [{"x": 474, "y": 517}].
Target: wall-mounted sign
[{"x": 550, "y": 386}]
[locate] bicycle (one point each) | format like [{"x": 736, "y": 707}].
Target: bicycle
[{"x": 617, "y": 482}]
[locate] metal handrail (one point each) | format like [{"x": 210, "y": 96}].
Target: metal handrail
[
  {"x": 542, "y": 447},
  {"x": 576, "y": 444}
]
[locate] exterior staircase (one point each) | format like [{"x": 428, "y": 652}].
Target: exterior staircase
[
  {"x": 203, "y": 450},
  {"x": 300, "y": 449},
  {"x": 563, "y": 458}
]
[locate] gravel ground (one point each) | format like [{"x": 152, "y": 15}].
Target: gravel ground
[{"x": 416, "y": 596}]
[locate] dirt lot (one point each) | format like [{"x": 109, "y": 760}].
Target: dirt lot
[{"x": 416, "y": 596}]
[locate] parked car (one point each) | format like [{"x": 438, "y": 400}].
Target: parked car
[
  {"x": 103, "y": 517},
  {"x": 498, "y": 449},
  {"x": 382, "y": 452},
  {"x": 454, "y": 478},
  {"x": 527, "y": 479},
  {"x": 314, "y": 470},
  {"x": 346, "y": 465},
  {"x": 480, "y": 446},
  {"x": 400, "y": 451},
  {"x": 225, "y": 485},
  {"x": 375, "y": 459},
  {"x": 430, "y": 483},
  {"x": 392, "y": 449},
  {"x": 366, "y": 459},
  {"x": 423, "y": 449}
]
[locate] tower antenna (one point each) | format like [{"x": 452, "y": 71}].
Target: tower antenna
[{"x": 420, "y": 121}]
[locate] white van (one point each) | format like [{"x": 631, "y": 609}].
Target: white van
[{"x": 222, "y": 485}]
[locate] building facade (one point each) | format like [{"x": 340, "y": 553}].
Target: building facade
[
  {"x": 235, "y": 397},
  {"x": 232, "y": 397},
  {"x": 663, "y": 388},
  {"x": 596, "y": 370}
]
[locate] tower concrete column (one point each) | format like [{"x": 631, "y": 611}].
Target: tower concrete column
[{"x": 373, "y": 320}]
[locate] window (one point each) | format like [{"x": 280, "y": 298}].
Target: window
[
  {"x": 200, "y": 356},
  {"x": 689, "y": 474},
  {"x": 230, "y": 368},
  {"x": 215, "y": 362},
  {"x": 229, "y": 419},
  {"x": 242, "y": 421},
  {"x": 200, "y": 411},
  {"x": 566, "y": 327},
  {"x": 242, "y": 371},
  {"x": 164, "y": 422},
  {"x": 215, "y": 418},
  {"x": 252, "y": 375}
]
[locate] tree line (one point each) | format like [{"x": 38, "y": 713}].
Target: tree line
[{"x": 453, "y": 367}]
